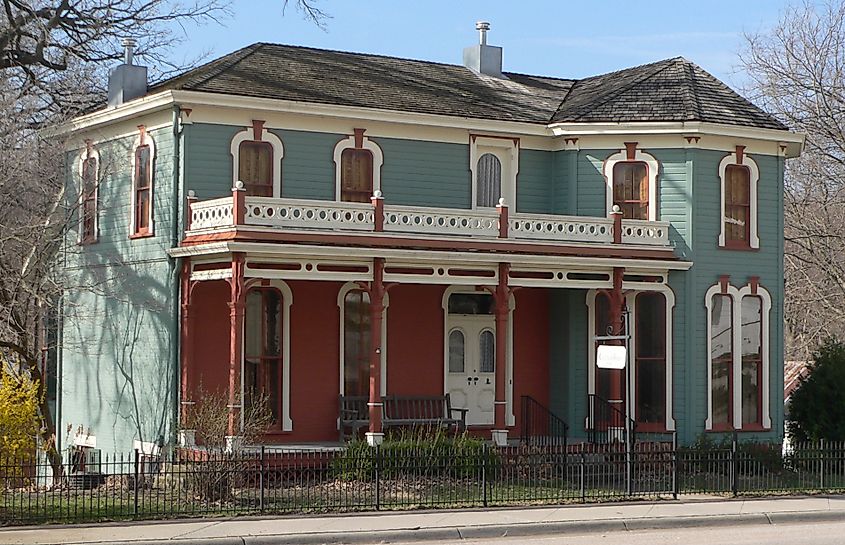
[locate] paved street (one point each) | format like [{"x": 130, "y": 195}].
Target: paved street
[{"x": 808, "y": 533}]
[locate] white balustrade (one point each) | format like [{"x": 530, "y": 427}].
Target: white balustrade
[
  {"x": 441, "y": 221},
  {"x": 308, "y": 214},
  {"x": 552, "y": 228},
  {"x": 645, "y": 233},
  {"x": 212, "y": 214}
]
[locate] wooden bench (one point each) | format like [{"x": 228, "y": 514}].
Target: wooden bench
[
  {"x": 354, "y": 415},
  {"x": 422, "y": 411}
]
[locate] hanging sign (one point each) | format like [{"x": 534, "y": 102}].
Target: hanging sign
[{"x": 611, "y": 357}]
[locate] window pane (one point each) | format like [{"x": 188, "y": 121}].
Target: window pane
[
  {"x": 252, "y": 324},
  {"x": 255, "y": 168},
  {"x": 142, "y": 209},
  {"x": 89, "y": 175},
  {"x": 651, "y": 325},
  {"x": 356, "y": 343},
  {"x": 737, "y": 202},
  {"x": 752, "y": 357},
  {"x": 142, "y": 167},
  {"x": 456, "y": 351},
  {"x": 630, "y": 189},
  {"x": 489, "y": 177},
  {"x": 651, "y": 391},
  {"x": 651, "y": 357},
  {"x": 356, "y": 175},
  {"x": 487, "y": 352},
  {"x": 721, "y": 357},
  {"x": 471, "y": 303},
  {"x": 273, "y": 322}
]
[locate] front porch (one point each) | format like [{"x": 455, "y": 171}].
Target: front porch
[{"x": 299, "y": 326}]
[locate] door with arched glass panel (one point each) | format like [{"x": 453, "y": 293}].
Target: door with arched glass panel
[{"x": 471, "y": 357}]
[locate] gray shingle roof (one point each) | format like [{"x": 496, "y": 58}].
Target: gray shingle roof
[{"x": 669, "y": 90}]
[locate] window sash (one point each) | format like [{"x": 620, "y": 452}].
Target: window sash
[
  {"x": 650, "y": 360},
  {"x": 255, "y": 168},
  {"x": 752, "y": 361},
  {"x": 143, "y": 189},
  {"x": 721, "y": 364},
  {"x": 356, "y": 343},
  {"x": 737, "y": 210},
  {"x": 89, "y": 200},
  {"x": 630, "y": 189},
  {"x": 263, "y": 349},
  {"x": 488, "y": 181}
]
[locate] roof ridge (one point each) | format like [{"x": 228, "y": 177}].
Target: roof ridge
[
  {"x": 244, "y": 53},
  {"x": 693, "y": 88}
]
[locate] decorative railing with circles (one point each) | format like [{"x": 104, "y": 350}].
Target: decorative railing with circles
[{"x": 483, "y": 223}]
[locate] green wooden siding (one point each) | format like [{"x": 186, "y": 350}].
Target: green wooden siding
[{"x": 535, "y": 182}]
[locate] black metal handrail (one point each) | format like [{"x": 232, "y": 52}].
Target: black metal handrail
[
  {"x": 540, "y": 426},
  {"x": 606, "y": 423}
]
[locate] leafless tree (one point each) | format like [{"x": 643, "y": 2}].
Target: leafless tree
[
  {"x": 797, "y": 72},
  {"x": 53, "y": 58}
]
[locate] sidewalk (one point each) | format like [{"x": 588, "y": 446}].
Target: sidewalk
[{"x": 441, "y": 525}]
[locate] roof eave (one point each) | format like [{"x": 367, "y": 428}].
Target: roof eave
[{"x": 134, "y": 108}]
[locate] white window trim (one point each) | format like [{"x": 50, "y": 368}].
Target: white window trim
[
  {"x": 754, "y": 177},
  {"x": 510, "y": 417},
  {"x": 287, "y": 296},
  {"x": 367, "y": 144},
  {"x": 248, "y": 135},
  {"x": 506, "y": 150},
  {"x": 736, "y": 296},
  {"x": 639, "y": 157},
  {"x": 630, "y": 302},
  {"x": 341, "y": 297},
  {"x": 88, "y": 153},
  {"x": 148, "y": 141}
]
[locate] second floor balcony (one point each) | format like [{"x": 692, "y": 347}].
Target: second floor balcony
[{"x": 381, "y": 218}]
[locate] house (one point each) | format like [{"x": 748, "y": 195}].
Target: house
[{"x": 289, "y": 225}]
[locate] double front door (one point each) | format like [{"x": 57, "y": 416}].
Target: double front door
[{"x": 471, "y": 372}]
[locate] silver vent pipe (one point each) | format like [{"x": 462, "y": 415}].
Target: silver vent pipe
[
  {"x": 482, "y": 27},
  {"x": 128, "y": 50}
]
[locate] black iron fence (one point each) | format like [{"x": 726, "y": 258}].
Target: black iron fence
[{"x": 185, "y": 484}]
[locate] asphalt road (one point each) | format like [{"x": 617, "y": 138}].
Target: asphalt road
[{"x": 808, "y": 533}]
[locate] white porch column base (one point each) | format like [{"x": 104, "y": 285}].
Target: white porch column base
[
  {"x": 187, "y": 438},
  {"x": 374, "y": 439},
  {"x": 234, "y": 443},
  {"x": 500, "y": 438}
]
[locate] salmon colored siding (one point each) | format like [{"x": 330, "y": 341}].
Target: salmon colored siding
[
  {"x": 209, "y": 369},
  {"x": 415, "y": 340},
  {"x": 530, "y": 349}
]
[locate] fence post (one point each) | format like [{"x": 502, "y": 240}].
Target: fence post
[
  {"x": 261, "y": 480},
  {"x": 734, "y": 467},
  {"x": 675, "y": 486},
  {"x": 485, "y": 452},
  {"x": 822, "y": 458},
  {"x": 581, "y": 477},
  {"x": 135, "y": 485},
  {"x": 377, "y": 468}
]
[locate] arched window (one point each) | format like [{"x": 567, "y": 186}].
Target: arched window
[
  {"x": 609, "y": 382},
  {"x": 263, "y": 351},
  {"x": 630, "y": 189},
  {"x": 257, "y": 155},
  {"x": 650, "y": 361},
  {"x": 489, "y": 181},
  {"x": 89, "y": 172},
  {"x": 739, "y": 176},
  {"x": 457, "y": 351},
  {"x": 486, "y": 352},
  {"x": 739, "y": 362},
  {"x": 356, "y": 343},
  {"x": 143, "y": 183},
  {"x": 356, "y": 175}
]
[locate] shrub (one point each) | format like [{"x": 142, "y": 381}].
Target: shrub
[
  {"x": 816, "y": 408},
  {"x": 19, "y": 420}
]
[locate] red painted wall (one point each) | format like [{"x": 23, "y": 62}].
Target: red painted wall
[
  {"x": 531, "y": 349},
  {"x": 210, "y": 367}
]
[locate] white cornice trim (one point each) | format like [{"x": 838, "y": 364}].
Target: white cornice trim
[{"x": 134, "y": 108}]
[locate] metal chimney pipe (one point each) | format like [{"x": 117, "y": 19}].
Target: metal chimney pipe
[
  {"x": 128, "y": 50},
  {"x": 482, "y": 27}
]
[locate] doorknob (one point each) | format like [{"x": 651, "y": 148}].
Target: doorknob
[
  {"x": 469, "y": 380},
  {"x": 488, "y": 381},
  {"x": 475, "y": 380}
]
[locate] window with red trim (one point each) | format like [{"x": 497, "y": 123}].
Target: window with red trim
[
  {"x": 255, "y": 168},
  {"x": 650, "y": 361},
  {"x": 721, "y": 360},
  {"x": 737, "y": 206},
  {"x": 263, "y": 351},
  {"x": 356, "y": 175},
  {"x": 143, "y": 190},
  {"x": 630, "y": 189},
  {"x": 752, "y": 361},
  {"x": 88, "y": 212},
  {"x": 356, "y": 343}
]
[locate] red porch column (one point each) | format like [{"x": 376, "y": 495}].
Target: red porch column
[
  {"x": 617, "y": 323},
  {"x": 502, "y": 299},
  {"x": 236, "y": 323},
  {"x": 375, "y": 434},
  {"x": 186, "y": 343}
]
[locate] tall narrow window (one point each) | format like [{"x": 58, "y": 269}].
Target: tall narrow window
[
  {"x": 489, "y": 180},
  {"x": 356, "y": 343},
  {"x": 752, "y": 361},
  {"x": 356, "y": 175},
  {"x": 609, "y": 382},
  {"x": 721, "y": 361},
  {"x": 487, "y": 352},
  {"x": 630, "y": 189},
  {"x": 457, "y": 351},
  {"x": 255, "y": 168},
  {"x": 88, "y": 209},
  {"x": 737, "y": 206},
  {"x": 650, "y": 361},
  {"x": 143, "y": 190},
  {"x": 263, "y": 351}
]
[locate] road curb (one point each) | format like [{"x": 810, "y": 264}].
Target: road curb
[{"x": 457, "y": 533}]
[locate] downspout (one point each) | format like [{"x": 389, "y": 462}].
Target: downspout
[{"x": 175, "y": 268}]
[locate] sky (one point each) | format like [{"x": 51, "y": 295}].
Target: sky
[{"x": 559, "y": 38}]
